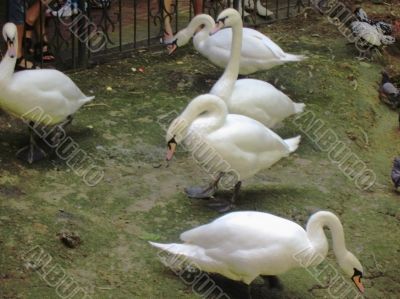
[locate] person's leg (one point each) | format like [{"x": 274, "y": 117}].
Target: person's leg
[
  {"x": 16, "y": 16},
  {"x": 33, "y": 21},
  {"x": 30, "y": 19},
  {"x": 168, "y": 32}
]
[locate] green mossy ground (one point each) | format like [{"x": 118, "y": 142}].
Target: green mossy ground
[{"x": 138, "y": 201}]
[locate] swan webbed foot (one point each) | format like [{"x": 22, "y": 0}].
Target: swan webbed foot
[
  {"x": 273, "y": 281},
  {"x": 204, "y": 192},
  {"x": 201, "y": 192},
  {"x": 223, "y": 206},
  {"x": 31, "y": 153}
]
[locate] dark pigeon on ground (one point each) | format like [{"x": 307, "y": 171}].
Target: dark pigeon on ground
[
  {"x": 389, "y": 94},
  {"x": 396, "y": 172}
]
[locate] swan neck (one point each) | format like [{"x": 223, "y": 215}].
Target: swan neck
[
  {"x": 224, "y": 86},
  {"x": 211, "y": 111},
  {"x": 7, "y": 66},
  {"x": 198, "y": 21},
  {"x": 317, "y": 237}
]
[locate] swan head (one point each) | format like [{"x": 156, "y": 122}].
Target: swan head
[
  {"x": 227, "y": 18},
  {"x": 175, "y": 135},
  {"x": 179, "y": 40},
  {"x": 203, "y": 107},
  {"x": 10, "y": 36},
  {"x": 352, "y": 268}
]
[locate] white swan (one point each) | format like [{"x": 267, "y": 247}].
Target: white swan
[
  {"x": 244, "y": 245},
  {"x": 261, "y": 10},
  {"x": 46, "y": 97},
  {"x": 249, "y": 4},
  {"x": 258, "y": 52},
  {"x": 254, "y": 98},
  {"x": 234, "y": 147}
]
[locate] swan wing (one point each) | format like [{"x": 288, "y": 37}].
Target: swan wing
[
  {"x": 248, "y": 136},
  {"x": 260, "y": 100},
  {"x": 254, "y": 45},
  {"x": 242, "y": 230},
  {"x": 261, "y": 41},
  {"x": 46, "y": 82}
]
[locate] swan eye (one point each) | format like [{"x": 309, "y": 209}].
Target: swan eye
[
  {"x": 222, "y": 20},
  {"x": 357, "y": 273},
  {"x": 171, "y": 141}
]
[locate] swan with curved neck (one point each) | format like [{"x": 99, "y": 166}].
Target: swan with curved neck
[
  {"x": 244, "y": 245},
  {"x": 45, "y": 97},
  {"x": 237, "y": 146},
  {"x": 254, "y": 98},
  {"x": 258, "y": 52}
]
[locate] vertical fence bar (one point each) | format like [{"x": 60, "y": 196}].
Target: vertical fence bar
[
  {"x": 288, "y": 9},
  {"x": 73, "y": 43},
  {"x": 148, "y": 20},
  {"x": 23, "y": 46},
  {"x": 120, "y": 24},
  {"x": 41, "y": 37},
  {"x": 176, "y": 16},
  {"x": 134, "y": 23},
  {"x": 82, "y": 33}
]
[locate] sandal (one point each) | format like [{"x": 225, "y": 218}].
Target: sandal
[
  {"x": 42, "y": 52},
  {"x": 23, "y": 64}
]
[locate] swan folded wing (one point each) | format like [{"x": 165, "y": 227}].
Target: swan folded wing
[
  {"x": 249, "y": 135},
  {"x": 50, "y": 81},
  {"x": 263, "y": 42},
  {"x": 242, "y": 230}
]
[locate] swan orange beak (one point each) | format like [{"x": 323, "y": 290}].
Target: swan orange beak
[
  {"x": 171, "y": 149},
  {"x": 359, "y": 285},
  {"x": 12, "y": 51},
  {"x": 172, "y": 48}
]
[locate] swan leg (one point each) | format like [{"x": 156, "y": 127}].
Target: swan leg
[
  {"x": 273, "y": 281},
  {"x": 203, "y": 192},
  {"x": 223, "y": 206},
  {"x": 32, "y": 152},
  {"x": 60, "y": 130},
  {"x": 249, "y": 292}
]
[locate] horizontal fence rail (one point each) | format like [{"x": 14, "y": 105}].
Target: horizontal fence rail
[{"x": 82, "y": 32}]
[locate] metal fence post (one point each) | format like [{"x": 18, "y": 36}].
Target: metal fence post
[{"x": 82, "y": 33}]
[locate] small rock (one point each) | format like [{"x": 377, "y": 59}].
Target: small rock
[{"x": 69, "y": 239}]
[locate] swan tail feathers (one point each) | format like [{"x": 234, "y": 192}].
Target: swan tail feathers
[
  {"x": 292, "y": 57},
  {"x": 293, "y": 143},
  {"x": 299, "y": 107},
  {"x": 170, "y": 253},
  {"x": 86, "y": 100}
]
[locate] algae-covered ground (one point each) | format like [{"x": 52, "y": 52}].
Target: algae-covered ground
[{"x": 140, "y": 199}]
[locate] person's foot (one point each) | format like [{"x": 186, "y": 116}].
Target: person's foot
[
  {"x": 25, "y": 64},
  {"x": 44, "y": 54}
]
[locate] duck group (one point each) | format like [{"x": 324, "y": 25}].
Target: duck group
[{"x": 235, "y": 121}]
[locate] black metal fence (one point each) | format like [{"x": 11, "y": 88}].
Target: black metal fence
[{"x": 80, "y": 32}]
